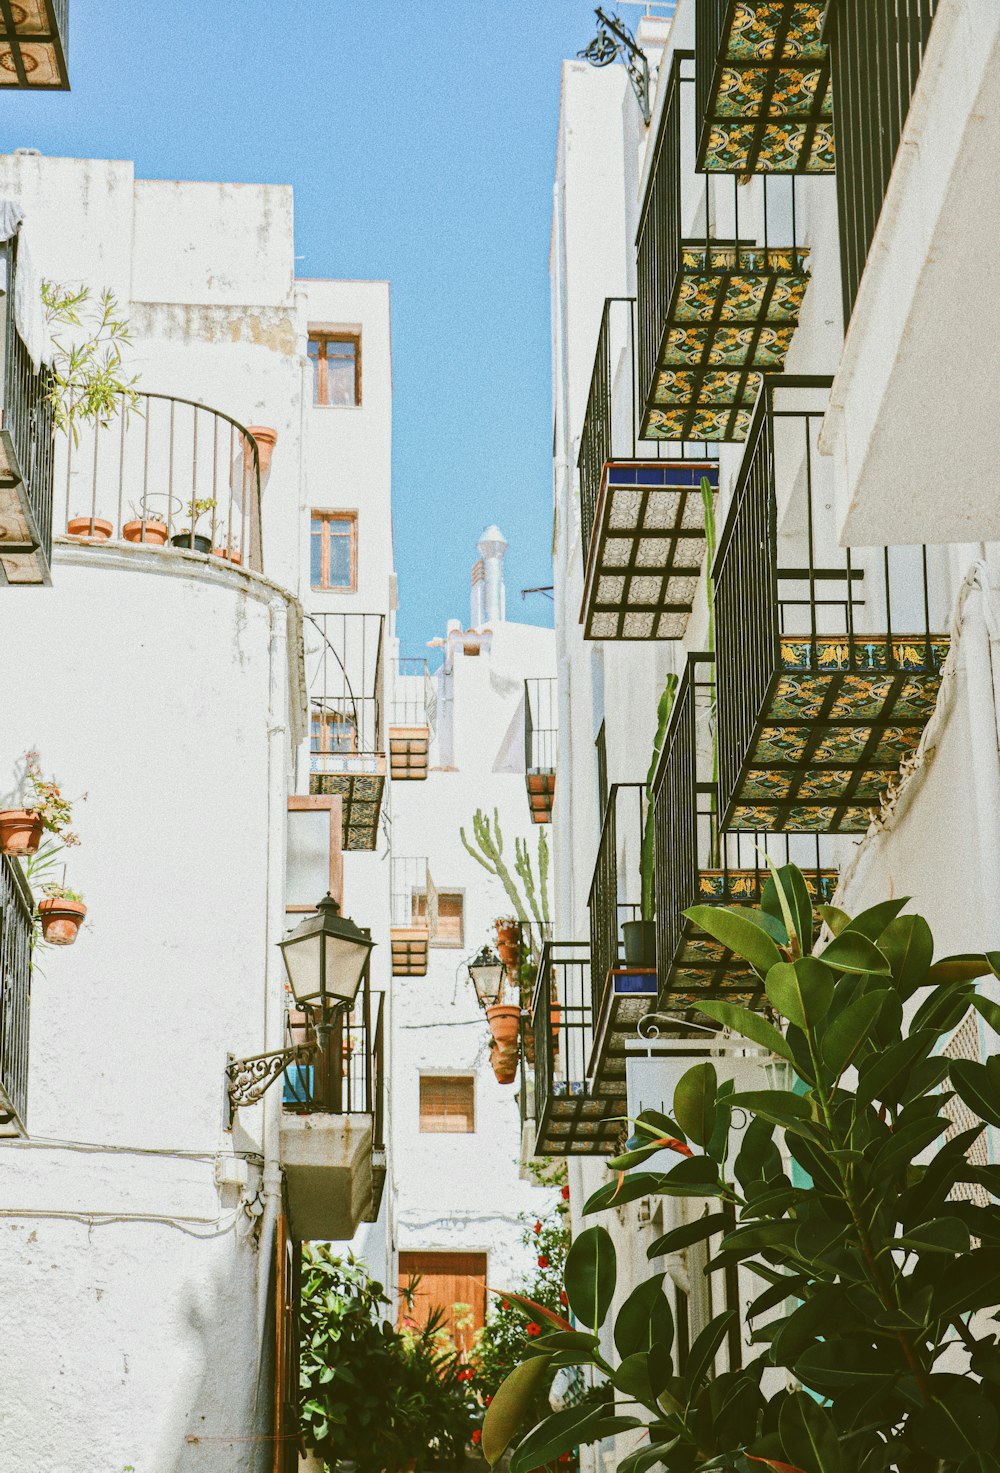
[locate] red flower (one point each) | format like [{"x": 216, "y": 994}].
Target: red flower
[
  {"x": 534, "y": 1329},
  {"x": 543, "y": 1262},
  {"x": 505, "y": 1304},
  {"x": 487, "y": 1401},
  {"x": 477, "y": 1436},
  {"x": 565, "y": 1194},
  {"x": 564, "y": 1457},
  {"x": 538, "y": 1228},
  {"x": 562, "y": 1297}
]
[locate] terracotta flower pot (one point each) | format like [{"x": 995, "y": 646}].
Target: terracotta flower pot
[
  {"x": 503, "y": 1060},
  {"x": 61, "y": 920},
  {"x": 94, "y": 529},
  {"x": 155, "y": 534},
  {"x": 229, "y": 554},
  {"x": 20, "y": 831},
  {"x": 266, "y": 438},
  {"x": 510, "y": 954},
  {"x": 508, "y": 933},
  {"x": 504, "y": 1020}
]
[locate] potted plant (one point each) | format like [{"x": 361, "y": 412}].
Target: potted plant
[
  {"x": 20, "y": 830},
  {"x": 230, "y": 553},
  {"x": 61, "y": 914},
  {"x": 266, "y": 438},
  {"x": 503, "y": 1060},
  {"x": 189, "y": 538},
  {"x": 45, "y": 809},
  {"x": 90, "y": 529},
  {"x": 504, "y": 1019},
  {"x": 147, "y": 525}
]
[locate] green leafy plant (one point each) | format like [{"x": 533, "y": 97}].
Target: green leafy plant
[
  {"x": 370, "y": 1393},
  {"x": 878, "y": 1275},
  {"x": 87, "y": 380},
  {"x": 198, "y": 508},
  {"x": 46, "y": 798},
  {"x": 62, "y": 892}
]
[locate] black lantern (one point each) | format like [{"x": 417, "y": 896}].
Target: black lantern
[
  {"x": 487, "y": 972},
  {"x": 325, "y": 958}
]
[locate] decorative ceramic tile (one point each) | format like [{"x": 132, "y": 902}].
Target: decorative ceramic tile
[
  {"x": 626, "y": 507},
  {"x": 654, "y": 552},
  {"x": 639, "y": 626}
]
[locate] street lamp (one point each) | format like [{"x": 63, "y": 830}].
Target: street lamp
[{"x": 487, "y": 973}]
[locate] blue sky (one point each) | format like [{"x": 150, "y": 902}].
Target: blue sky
[{"x": 419, "y": 136}]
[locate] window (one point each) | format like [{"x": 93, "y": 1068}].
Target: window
[
  {"x": 313, "y": 862},
  {"x": 336, "y": 365},
  {"x": 333, "y": 732},
  {"x": 446, "y": 925},
  {"x": 454, "y": 1282},
  {"x": 447, "y": 1104},
  {"x": 333, "y": 550}
]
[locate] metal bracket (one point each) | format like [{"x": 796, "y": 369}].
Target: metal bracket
[
  {"x": 614, "y": 39},
  {"x": 247, "y": 1080}
]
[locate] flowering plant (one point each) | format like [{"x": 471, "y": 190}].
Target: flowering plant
[{"x": 47, "y": 799}]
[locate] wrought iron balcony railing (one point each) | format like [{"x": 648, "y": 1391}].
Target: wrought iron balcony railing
[
  {"x": 413, "y": 700},
  {"x": 346, "y": 1078},
  {"x": 34, "y": 41},
  {"x": 762, "y": 74},
  {"x": 876, "y": 49},
  {"x": 828, "y": 661},
  {"x": 721, "y": 278},
  {"x": 16, "y": 909},
  {"x": 347, "y": 748},
  {"x": 695, "y": 864},
  {"x": 167, "y": 473},
  {"x": 573, "y": 1115},
  {"x": 642, "y": 514},
  {"x": 26, "y": 449},
  {"x": 413, "y": 915},
  {"x": 541, "y": 745}
]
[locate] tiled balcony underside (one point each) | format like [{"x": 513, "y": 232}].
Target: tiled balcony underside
[
  {"x": 731, "y": 319},
  {"x": 771, "y": 110},
  {"x": 409, "y": 950},
  {"x": 629, "y": 997},
  {"x": 362, "y": 795},
  {"x": 834, "y": 732},
  {"x": 408, "y": 749},
  {"x": 576, "y": 1123},
  {"x": 541, "y": 788},
  {"x": 647, "y": 551},
  {"x": 702, "y": 967}
]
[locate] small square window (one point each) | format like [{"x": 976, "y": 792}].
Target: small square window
[
  {"x": 333, "y": 550},
  {"x": 336, "y": 365},
  {"x": 334, "y": 732},
  {"x": 448, "y": 1104},
  {"x": 448, "y": 917}
]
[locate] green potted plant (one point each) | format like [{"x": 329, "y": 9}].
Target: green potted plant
[
  {"x": 46, "y": 810},
  {"x": 61, "y": 915},
  {"x": 188, "y": 537}
]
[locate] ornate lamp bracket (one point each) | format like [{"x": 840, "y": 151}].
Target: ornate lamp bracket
[
  {"x": 614, "y": 39},
  {"x": 247, "y": 1080}
]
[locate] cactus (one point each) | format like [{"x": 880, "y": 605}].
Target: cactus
[{"x": 488, "y": 851}]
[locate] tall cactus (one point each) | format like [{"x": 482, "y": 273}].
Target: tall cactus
[{"x": 488, "y": 851}]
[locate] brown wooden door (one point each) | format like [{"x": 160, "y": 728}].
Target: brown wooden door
[{"x": 447, "y": 1280}]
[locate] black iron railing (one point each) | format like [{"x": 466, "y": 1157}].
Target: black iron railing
[
  {"x": 16, "y": 908},
  {"x": 658, "y": 243},
  {"x": 412, "y": 896},
  {"x": 877, "y": 49},
  {"x": 541, "y": 725},
  {"x": 28, "y": 417},
  {"x": 711, "y": 23},
  {"x": 345, "y": 1078},
  {"x": 165, "y": 471},
  {"x": 616, "y": 888},
  {"x": 562, "y": 1023},
  {"x": 345, "y": 691}
]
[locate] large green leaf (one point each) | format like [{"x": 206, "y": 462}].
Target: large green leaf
[
  {"x": 624, "y": 1189},
  {"x": 988, "y": 1009},
  {"x": 701, "y": 1356},
  {"x": 780, "y": 1107},
  {"x": 853, "y": 952},
  {"x": 849, "y": 1030},
  {"x": 507, "y": 1411},
  {"x": 750, "y": 1025},
  {"x": 698, "y": 1176},
  {"x": 845, "y": 1365},
  {"x": 644, "y": 1319},
  {"x": 590, "y": 1277},
  {"x": 556, "y": 1435},
  {"x": 884, "y": 1076},
  {"x": 908, "y": 947},
  {"x": 786, "y": 895},
  {"x": 974, "y": 1086},
  {"x": 965, "y": 967},
  {"x": 734, "y": 931},
  {"x": 801, "y": 991},
  {"x": 808, "y": 1435},
  {"x": 940, "y": 1235},
  {"x": 694, "y": 1102},
  {"x": 871, "y": 922}
]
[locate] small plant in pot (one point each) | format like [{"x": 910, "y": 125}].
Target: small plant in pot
[
  {"x": 146, "y": 526},
  {"x": 189, "y": 538},
  {"x": 45, "y": 810},
  {"x": 90, "y": 529},
  {"x": 61, "y": 914}
]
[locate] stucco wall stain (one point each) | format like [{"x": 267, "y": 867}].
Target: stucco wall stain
[{"x": 272, "y": 328}]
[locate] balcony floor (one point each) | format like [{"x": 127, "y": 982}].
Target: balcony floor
[
  {"x": 771, "y": 104},
  {"x": 360, "y": 781},
  {"x": 839, "y": 721},
  {"x": 731, "y": 319},
  {"x": 576, "y": 1122},
  {"x": 629, "y": 995}
]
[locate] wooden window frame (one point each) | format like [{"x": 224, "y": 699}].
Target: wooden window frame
[
  {"x": 329, "y": 721},
  {"x": 431, "y": 1076},
  {"x": 321, "y": 392},
  {"x": 327, "y": 515},
  {"x": 334, "y": 803}
]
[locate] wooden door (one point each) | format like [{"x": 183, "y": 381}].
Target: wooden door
[{"x": 447, "y": 1280}]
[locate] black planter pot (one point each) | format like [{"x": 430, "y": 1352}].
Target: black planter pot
[
  {"x": 640, "y": 943},
  {"x": 192, "y": 541}
]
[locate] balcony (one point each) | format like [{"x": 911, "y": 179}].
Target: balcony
[
  {"x": 347, "y": 750},
  {"x": 332, "y": 1125},
  {"x": 697, "y": 865},
  {"x": 764, "y": 102},
  {"x": 34, "y": 37},
  {"x": 641, "y": 505},
  {"x": 413, "y": 916},
  {"x": 26, "y": 450},
  {"x": 623, "y": 982},
  {"x": 16, "y": 911},
  {"x": 721, "y": 279},
  {"x": 572, "y": 1116},
  {"x": 413, "y": 699},
  {"x": 169, "y": 474},
  {"x": 828, "y": 665},
  {"x": 541, "y": 744}
]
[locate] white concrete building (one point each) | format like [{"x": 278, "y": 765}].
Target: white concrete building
[
  {"x": 455, "y": 1131},
  {"x": 811, "y": 352},
  {"x": 147, "y": 1271}
]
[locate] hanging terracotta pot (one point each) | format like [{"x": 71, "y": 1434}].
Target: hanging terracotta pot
[
  {"x": 503, "y": 1059},
  {"x": 266, "y": 439},
  {"x": 20, "y": 831},
  {"x": 61, "y": 919},
  {"x": 505, "y": 1022},
  {"x": 94, "y": 529},
  {"x": 155, "y": 534},
  {"x": 510, "y": 955},
  {"x": 508, "y": 932}
]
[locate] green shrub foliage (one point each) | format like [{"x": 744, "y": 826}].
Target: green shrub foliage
[{"x": 876, "y": 1276}]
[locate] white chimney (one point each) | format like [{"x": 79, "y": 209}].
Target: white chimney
[
  {"x": 476, "y": 596},
  {"x": 492, "y": 546}
]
